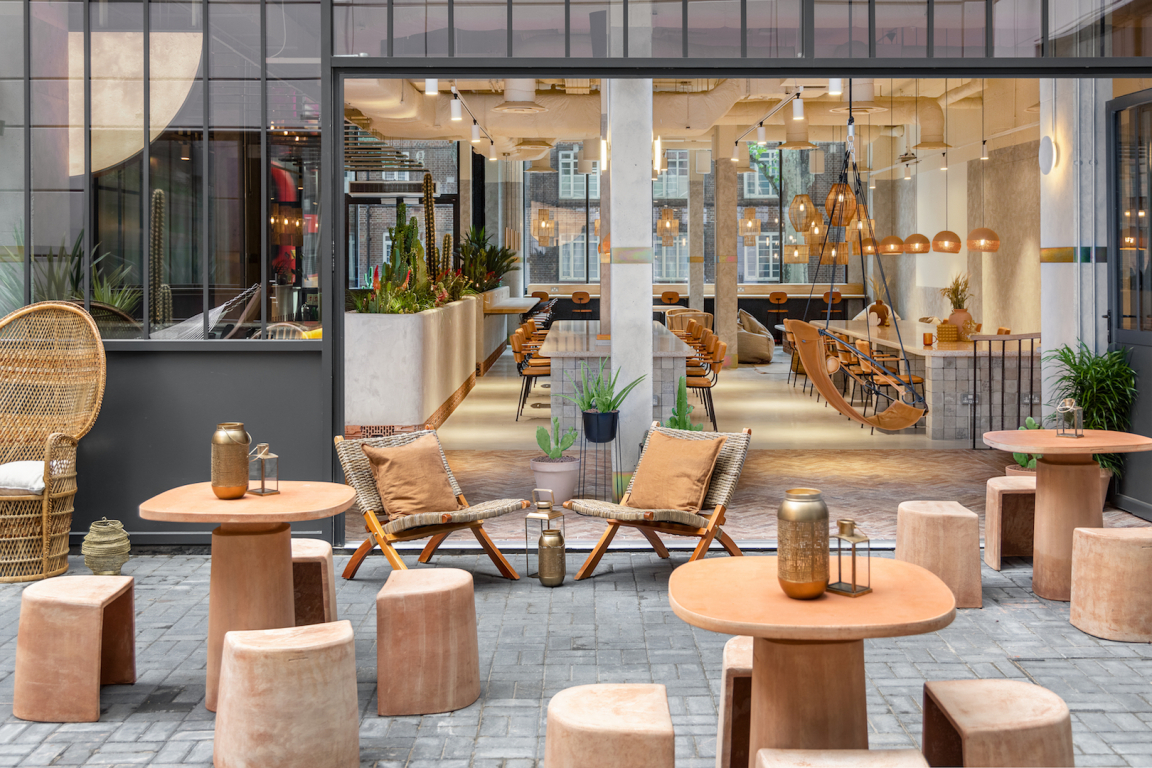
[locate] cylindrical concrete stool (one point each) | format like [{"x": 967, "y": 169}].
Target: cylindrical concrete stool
[
  {"x": 840, "y": 758},
  {"x": 944, "y": 537},
  {"x": 610, "y": 726},
  {"x": 1111, "y": 570},
  {"x": 427, "y": 652},
  {"x": 313, "y": 581},
  {"x": 288, "y": 698},
  {"x": 732, "y": 731}
]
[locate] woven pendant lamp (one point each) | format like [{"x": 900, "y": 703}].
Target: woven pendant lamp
[
  {"x": 801, "y": 212},
  {"x": 834, "y": 254},
  {"x": 750, "y": 227},
  {"x": 668, "y": 227},
  {"x": 817, "y": 233},
  {"x": 917, "y": 243},
  {"x": 982, "y": 239},
  {"x": 840, "y": 205},
  {"x": 946, "y": 241},
  {"x": 891, "y": 245},
  {"x": 795, "y": 254}
]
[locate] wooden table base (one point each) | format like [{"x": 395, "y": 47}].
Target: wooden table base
[
  {"x": 1067, "y": 497},
  {"x": 251, "y": 587},
  {"x": 808, "y": 696}
]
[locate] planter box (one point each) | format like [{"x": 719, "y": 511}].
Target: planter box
[{"x": 400, "y": 370}]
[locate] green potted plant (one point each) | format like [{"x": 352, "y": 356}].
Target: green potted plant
[
  {"x": 1025, "y": 462},
  {"x": 599, "y": 403},
  {"x": 679, "y": 418},
  {"x": 957, "y": 293},
  {"x": 555, "y": 471},
  {"x": 1104, "y": 386}
]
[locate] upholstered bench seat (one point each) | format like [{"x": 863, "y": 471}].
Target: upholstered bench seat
[{"x": 610, "y": 726}]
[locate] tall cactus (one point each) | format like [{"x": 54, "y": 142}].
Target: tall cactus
[
  {"x": 430, "y": 227},
  {"x": 446, "y": 254},
  {"x": 160, "y": 294}
]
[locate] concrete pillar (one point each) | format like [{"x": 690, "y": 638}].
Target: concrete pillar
[
  {"x": 464, "y": 150},
  {"x": 724, "y": 321},
  {"x": 604, "y": 253},
  {"x": 695, "y": 233},
  {"x": 1073, "y": 216},
  {"x": 630, "y": 170},
  {"x": 511, "y": 175}
]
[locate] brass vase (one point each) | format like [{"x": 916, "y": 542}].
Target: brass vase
[
  {"x": 230, "y": 460},
  {"x": 551, "y": 557},
  {"x": 802, "y": 549}
]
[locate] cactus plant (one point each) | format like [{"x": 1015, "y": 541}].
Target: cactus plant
[
  {"x": 679, "y": 419},
  {"x": 431, "y": 256},
  {"x": 160, "y": 308},
  {"x": 555, "y": 444},
  {"x": 446, "y": 254}
]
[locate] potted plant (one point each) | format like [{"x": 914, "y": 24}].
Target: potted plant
[
  {"x": 1105, "y": 387},
  {"x": 679, "y": 418},
  {"x": 1025, "y": 462},
  {"x": 555, "y": 471},
  {"x": 957, "y": 293},
  {"x": 599, "y": 403}
]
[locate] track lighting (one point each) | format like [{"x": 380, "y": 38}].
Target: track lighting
[
  {"x": 475, "y": 132},
  {"x": 984, "y": 150},
  {"x": 761, "y": 135},
  {"x": 431, "y": 86},
  {"x": 492, "y": 150},
  {"x": 457, "y": 112},
  {"x": 943, "y": 161},
  {"x": 907, "y": 172},
  {"x": 797, "y": 108},
  {"x": 736, "y": 152},
  {"x": 834, "y": 86}
]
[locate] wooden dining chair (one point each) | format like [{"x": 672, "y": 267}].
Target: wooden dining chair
[
  {"x": 1002, "y": 331},
  {"x": 540, "y": 295},
  {"x": 832, "y": 300},
  {"x": 702, "y": 385},
  {"x": 777, "y": 311},
  {"x": 581, "y": 300},
  {"x": 670, "y": 297},
  {"x": 530, "y": 367},
  {"x": 436, "y": 526}
]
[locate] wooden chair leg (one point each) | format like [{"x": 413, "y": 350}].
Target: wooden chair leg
[
  {"x": 597, "y": 552},
  {"x": 705, "y": 542},
  {"x": 391, "y": 555},
  {"x": 654, "y": 540},
  {"x": 433, "y": 544},
  {"x": 358, "y": 558},
  {"x": 502, "y": 565},
  {"x": 726, "y": 541}
]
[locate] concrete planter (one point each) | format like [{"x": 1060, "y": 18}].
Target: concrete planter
[
  {"x": 399, "y": 369},
  {"x": 560, "y": 477},
  {"x": 491, "y": 330}
]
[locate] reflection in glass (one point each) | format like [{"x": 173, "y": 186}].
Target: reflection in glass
[
  {"x": 959, "y": 29},
  {"x": 538, "y": 28},
  {"x": 714, "y": 28},
  {"x": 11, "y": 156},
  {"x": 1134, "y": 217},
  {"x": 1016, "y": 28},
  {"x": 841, "y": 29},
  {"x": 481, "y": 28},
  {"x": 901, "y": 29},
  {"x": 420, "y": 28},
  {"x": 655, "y": 29},
  {"x": 589, "y": 33},
  {"x": 360, "y": 28},
  {"x": 773, "y": 29}
]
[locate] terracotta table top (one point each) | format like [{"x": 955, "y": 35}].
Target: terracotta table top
[
  {"x": 741, "y": 596},
  {"x": 1045, "y": 441},
  {"x": 296, "y": 501}
]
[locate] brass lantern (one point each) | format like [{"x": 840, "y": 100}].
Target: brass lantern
[
  {"x": 795, "y": 254},
  {"x": 668, "y": 227},
  {"x": 544, "y": 227},
  {"x": 263, "y": 479},
  {"x": 802, "y": 212},
  {"x": 1069, "y": 419},
  {"x": 891, "y": 245},
  {"x": 854, "y": 552},
  {"x": 750, "y": 226},
  {"x": 917, "y": 244},
  {"x": 840, "y": 205}
]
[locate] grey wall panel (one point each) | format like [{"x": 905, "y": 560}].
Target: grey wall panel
[{"x": 155, "y": 428}]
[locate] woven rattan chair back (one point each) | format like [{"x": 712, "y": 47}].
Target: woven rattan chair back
[
  {"x": 52, "y": 375},
  {"x": 729, "y": 463},
  {"x": 358, "y": 470}
]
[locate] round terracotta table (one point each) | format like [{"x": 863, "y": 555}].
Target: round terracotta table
[
  {"x": 1067, "y": 495},
  {"x": 808, "y": 689},
  {"x": 251, "y": 583}
]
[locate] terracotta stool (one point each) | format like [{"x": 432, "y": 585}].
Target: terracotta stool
[
  {"x": 610, "y": 726},
  {"x": 314, "y": 581},
  {"x": 840, "y": 758},
  {"x": 288, "y": 698},
  {"x": 732, "y": 734},
  {"x": 76, "y": 634},
  {"x": 995, "y": 723},
  {"x": 1111, "y": 568},
  {"x": 427, "y": 653},
  {"x": 943, "y": 537},
  {"x": 1009, "y": 518}
]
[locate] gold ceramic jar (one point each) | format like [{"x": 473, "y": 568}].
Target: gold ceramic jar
[
  {"x": 230, "y": 460},
  {"x": 551, "y": 556},
  {"x": 802, "y": 549}
]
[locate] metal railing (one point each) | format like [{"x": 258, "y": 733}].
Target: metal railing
[{"x": 1018, "y": 394}]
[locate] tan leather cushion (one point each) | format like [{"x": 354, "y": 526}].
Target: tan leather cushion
[
  {"x": 674, "y": 473},
  {"x": 754, "y": 348},
  {"x": 411, "y": 479}
]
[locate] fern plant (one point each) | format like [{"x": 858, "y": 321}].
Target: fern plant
[
  {"x": 679, "y": 419},
  {"x": 555, "y": 444}
]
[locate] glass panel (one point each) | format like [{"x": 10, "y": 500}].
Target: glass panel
[
  {"x": 674, "y": 181},
  {"x": 420, "y": 28},
  {"x": 293, "y": 40},
  {"x": 11, "y": 156},
  {"x": 773, "y": 29},
  {"x": 1016, "y": 28},
  {"x": 714, "y": 28},
  {"x": 655, "y": 29},
  {"x": 538, "y": 28},
  {"x": 959, "y": 29},
  {"x": 901, "y": 29},
  {"x": 589, "y": 34},
  {"x": 1134, "y": 188},
  {"x": 175, "y": 204},
  {"x": 360, "y": 28},
  {"x": 117, "y": 139},
  {"x": 482, "y": 28},
  {"x": 234, "y": 167},
  {"x": 568, "y": 254},
  {"x": 759, "y": 261},
  {"x": 1078, "y": 28},
  {"x": 670, "y": 244},
  {"x": 1128, "y": 26},
  {"x": 841, "y": 29}
]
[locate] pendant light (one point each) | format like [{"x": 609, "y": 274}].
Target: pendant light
[
  {"x": 982, "y": 239},
  {"x": 840, "y": 205},
  {"x": 761, "y": 136},
  {"x": 667, "y": 227},
  {"x": 946, "y": 241},
  {"x": 798, "y": 105},
  {"x": 431, "y": 86},
  {"x": 891, "y": 245},
  {"x": 916, "y": 243},
  {"x": 795, "y": 254},
  {"x": 835, "y": 88},
  {"x": 736, "y": 152},
  {"x": 457, "y": 112},
  {"x": 801, "y": 212},
  {"x": 750, "y": 227},
  {"x": 475, "y": 132}
]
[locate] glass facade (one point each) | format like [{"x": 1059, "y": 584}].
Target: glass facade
[{"x": 1133, "y": 217}]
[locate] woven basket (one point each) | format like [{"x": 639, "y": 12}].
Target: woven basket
[
  {"x": 106, "y": 547},
  {"x": 947, "y": 332}
]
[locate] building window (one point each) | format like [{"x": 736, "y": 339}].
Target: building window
[
  {"x": 572, "y": 183},
  {"x": 760, "y": 263},
  {"x": 670, "y": 262},
  {"x": 764, "y": 180},
  {"x": 573, "y": 258},
  {"x": 674, "y": 181}
]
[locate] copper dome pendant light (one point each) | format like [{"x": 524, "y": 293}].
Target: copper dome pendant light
[
  {"x": 982, "y": 239},
  {"x": 916, "y": 243},
  {"x": 946, "y": 241}
]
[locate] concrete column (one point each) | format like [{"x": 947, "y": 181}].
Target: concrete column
[
  {"x": 464, "y": 155},
  {"x": 512, "y": 213},
  {"x": 1073, "y": 217},
  {"x": 695, "y": 234},
  {"x": 724, "y": 322},
  {"x": 603, "y": 254},
  {"x": 630, "y": 170}
]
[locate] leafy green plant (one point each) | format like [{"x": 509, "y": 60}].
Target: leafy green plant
[
  {"x": 585, "y": 397},
  {"x": 957, "y": 291},
  {"x": 485, "y": 263},
  {"x": 607, "y": 399},
  {"x": 679, "y": 419},
  {"x": 1103, "y": 385},
  {"x": 108, "y": 287},
  {"x": 1028, "y": 460},
  {"x": 555, "y": 444}
]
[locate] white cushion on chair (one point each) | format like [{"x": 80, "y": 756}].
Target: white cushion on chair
[{"x": 22, "y": 478}]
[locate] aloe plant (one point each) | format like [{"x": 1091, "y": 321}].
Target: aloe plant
[
  {"x": 555, "y": 444},
  {"x": 679, "y": 419},
  {"x": 599, "y": 394}
]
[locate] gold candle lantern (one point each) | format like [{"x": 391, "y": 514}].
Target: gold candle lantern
[
  {"x": 263, "y": 472},
  {"x": 858, "y": 547},
  {"x": 230, "y": 460},
  {"x": 1069, "y": 419},
  {"x": 802, "y": 549}
]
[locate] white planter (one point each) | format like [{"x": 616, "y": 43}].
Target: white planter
[
  {"x": 560, "y": 477},
  {"x": 491, "y": 330}
]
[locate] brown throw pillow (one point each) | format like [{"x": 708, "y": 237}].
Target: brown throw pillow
[
  {"x": 674, "y": 473},
  {"x": 411, "y": 478}
]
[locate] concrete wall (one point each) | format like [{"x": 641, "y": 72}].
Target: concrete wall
[{"x": 491, "y": 330}]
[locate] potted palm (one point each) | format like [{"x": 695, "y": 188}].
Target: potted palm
[
  {"x": 555, "y": 471},
  {"x": 957, "y": 293},
  {"x": 599, "y": 403}
]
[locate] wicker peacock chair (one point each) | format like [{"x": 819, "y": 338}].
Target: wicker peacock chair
[{"x": 52, "y": 374}]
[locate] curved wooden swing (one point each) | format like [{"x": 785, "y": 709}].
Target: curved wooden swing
[{"x": 810, "y": 347}]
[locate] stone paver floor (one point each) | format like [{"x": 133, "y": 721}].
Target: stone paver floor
[{"x": 535, "y": 641}]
